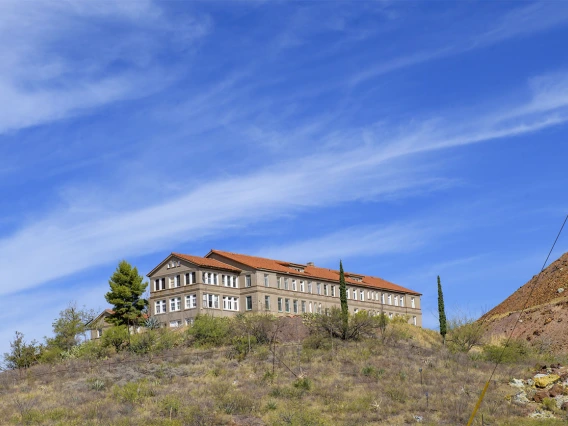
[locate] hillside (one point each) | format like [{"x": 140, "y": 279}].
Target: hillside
[
  {"x": 406, "y": 379},
  {"x": 546, "y": 313}
]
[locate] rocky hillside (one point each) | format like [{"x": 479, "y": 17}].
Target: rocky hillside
[{"x": 546, "y": 314}]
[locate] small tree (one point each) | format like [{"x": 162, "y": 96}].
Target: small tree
[
  {"x": 22, "y": 354},
  {"x": 441, "y": 312},
  {"x": 126, "y": 290},
  {"x": 343, "y": 299},
  {"x": 69, "y": 327}
]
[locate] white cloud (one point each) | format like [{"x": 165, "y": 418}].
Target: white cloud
[{"x": 71, "y": 239}]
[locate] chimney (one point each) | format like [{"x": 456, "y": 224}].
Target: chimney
[{"x": 310, "y": 264}]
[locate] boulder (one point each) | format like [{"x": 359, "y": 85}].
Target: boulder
[
  {"x": 540, "y": 395},
  {"x": 556, "y": 390},
  {"x": 521, "y": 398},
  {"x": 546, "y": 380},
  {"x": 517, "y": 383}
]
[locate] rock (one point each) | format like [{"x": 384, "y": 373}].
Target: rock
[
  {"x": 560, "y": 290},
  {"x": 548, "y": 320},
  {"x": 517, "y": 383},
  {"x": 540, "y": 395},
  {"x": 418, "y": 419},
  {"x": 542, "y": 382},
  {"x": 521, "y": 398},
  {"x": 556, "y": 390},
  {"x": 530, "y": 382}
]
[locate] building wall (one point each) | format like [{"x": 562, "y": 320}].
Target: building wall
[{"x": 257, "y": 291}]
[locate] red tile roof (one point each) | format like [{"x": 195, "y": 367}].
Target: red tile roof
[
  {"x": 313, "y": 272},
  {"x": 204, "y": 261}
]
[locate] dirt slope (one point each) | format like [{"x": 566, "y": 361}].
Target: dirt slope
[{"x": 546, "y": 316}]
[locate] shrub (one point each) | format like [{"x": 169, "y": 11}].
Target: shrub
[
  {"x": 549, "y": 404},
  {"x": 143, "y": 343},
  {"x": 92, "y": 350},
  {"x": 170, "y": 405},
  {"x": 116, "y": 337},
  {"x": 209, "y": 330},
  {"x": 514, "y": 351},
  {"x": 303, "y": 383},
  {"x": 464, "y": 333}
]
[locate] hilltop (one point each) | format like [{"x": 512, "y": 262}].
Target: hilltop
[{"x": 546, "y": 314}]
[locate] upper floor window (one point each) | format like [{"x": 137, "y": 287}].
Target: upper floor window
[
  {"x": 160, "y": 307},
  {"x": 175, "y": 304},
  {"x": 412, "y": 302},
  {"x": 160, "y": 284},
  {"x": 190, "y": 278},
  {"x": 348, "y": 293},
  {"x": 383, "y": 298},
  {"x": 249, "y": 303},
  {"x": 389, "y": 299},
  {"x": 266, "y": 284},
  {"x": 402, "y": 301},
  {"x": 325, "y": 290},
  {"x": 302, "y": 286},
  {"x": 229, "y": 280},
  {"x": 285, "y": 283},
  {"x": 175, "y": 281},
  {"x": 248, "y": 282},
  {"x": 310, "y": 287},
  {"x": 293, "y": 285},
  {"x": 354, "y": 294},
  {"x": 279, "y": 282},
  {"x": 362, "y": 295},
  {"x": 395, "y": 300},
  {"x": 332, "y": 291},
  {"x": 318, "y": 288}
]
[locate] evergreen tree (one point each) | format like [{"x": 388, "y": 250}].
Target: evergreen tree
[
  {"x": 343, "y": 299},
  {"x": 126, "y": 290},
  {"x": 441, "y": 311}
]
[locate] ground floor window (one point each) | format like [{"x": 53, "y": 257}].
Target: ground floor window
[
  {"x": 175, "y": 323},
  {"x": 230, "y": 303},
  {"x": 191, "y": 301},
  {"x": 189, "y": 321},
  {"x": 160, "y": 307},
  {"x": 303, "y": 306},
  {"x": 279, "y": 304},
  {"x": 295, "y": 306},
  {"x": 267, "y": 303},
  {"x": 211, "y": 301},
  {"x": 287, "y": 304},
  {"x": 249, "y": 303}
]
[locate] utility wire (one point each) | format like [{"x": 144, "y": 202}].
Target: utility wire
[{"x": 480, "y": 400}]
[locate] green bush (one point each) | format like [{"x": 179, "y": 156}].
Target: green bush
[
  {"x": 303, "y": 383},
  {"x": 143, "y": 343},
  {"x": 210, "y": 331},
  {"x": 116, "y": 337},
  {"x": 514, "y": 351}
]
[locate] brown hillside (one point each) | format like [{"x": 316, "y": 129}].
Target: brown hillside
[{"x": 547, "y": 290}]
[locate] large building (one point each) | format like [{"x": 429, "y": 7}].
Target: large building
[{"x": 224, "y": 283}]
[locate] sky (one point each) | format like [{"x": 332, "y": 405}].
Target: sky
[{"x": 409, "y": 139}]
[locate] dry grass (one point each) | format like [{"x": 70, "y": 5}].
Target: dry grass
[{"x": 353, "y": 383}]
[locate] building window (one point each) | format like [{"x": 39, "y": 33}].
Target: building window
[
  {"x": 190, "y": 278},
  {"x": 295, "y": 304},
  {"x": 100, "y": 332},
  {"x": 414, "y": 320},
  {"x": 310, "y": 287},
  {"x": 175, "y": 304},
  {"x": 319, "y": 309},
  {"x": 355, "y": 310},
  {"x": 160, "y": 307},
  {"x": 332, "y": 291},
  {"x": 285, "y": 283},
  {"x": 229, "y": 280},
  {"x": 191, "y": 301},
  {"x": 412, "y": 302},
  {"x": 395, "y": 300},
  {"x": 287, "y": 305},
  {"x": 249, "y": 303},
  {"x": 362, "y": 294},
  {"x": 189, "y": 321},
  {"x": 175, "y": 323},
  {"x": 266, "y": 284},
  {"x": 279, "y": 282},
  {"x": 211, "y": 301},
  {"x": 205, "y": 277},
  {"x": 248, "y": 281},
  {"x": 383, "y": 298},
  {"x": 325, "y": 290},
  {"x": 402, "y": 301},
  {"x": 348, "y": 293},
  {"x": 267, "y": 303},
  {"x": 318, "y": 288},
  {"x": 279, "y": 304},
  {"x": 390, "y": 299},
  {"x": 354, "y": 294},
  {"x": 215, "y": 281},
  {"x": 160, "y": 284},
  {"x": 303, "y": 306},
  {"x": 230, "y": 303},
  {"x": 177, "y": 281},
  {"x": 390, "y": 314},
  {"x": 311, "y": 309},
  {"x": 293, "y": 285}
]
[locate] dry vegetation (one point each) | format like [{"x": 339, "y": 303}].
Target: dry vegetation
[{"x": 322, "y": 381}]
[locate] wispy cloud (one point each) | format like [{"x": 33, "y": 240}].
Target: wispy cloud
[{"x": 70, "y": 239}]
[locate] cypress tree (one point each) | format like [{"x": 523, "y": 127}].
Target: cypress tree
[
  {"x": 441, "y": 311},
  {"x": 343, "y": 299}
]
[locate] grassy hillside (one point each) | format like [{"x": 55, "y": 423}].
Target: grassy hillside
[{"x": 318, "y": 382}]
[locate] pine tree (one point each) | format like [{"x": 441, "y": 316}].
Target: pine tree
[
  {"x": 343, "y": 299},
  {"x": 126, "y": 289},
  {"x": 441, "y": 311}
]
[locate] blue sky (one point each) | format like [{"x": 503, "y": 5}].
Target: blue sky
[{"x": 408, "y": 139}]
